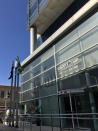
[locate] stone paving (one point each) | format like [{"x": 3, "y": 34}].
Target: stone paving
[
  {"x": 48, "y": 128},
  {"x": 6, "y": 128},
  {"x": 37, "y": 128}
]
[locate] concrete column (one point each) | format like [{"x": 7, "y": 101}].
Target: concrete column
[
  {"x": 25, "y": 109},
  {"x": 33, "y": 39}
]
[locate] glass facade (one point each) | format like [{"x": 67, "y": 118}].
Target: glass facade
[
  {"x": 64, "y": 79},
  {"x": 34, "y": 7}
]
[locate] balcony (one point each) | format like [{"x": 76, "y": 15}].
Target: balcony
[{"x": 43, "y": 13}]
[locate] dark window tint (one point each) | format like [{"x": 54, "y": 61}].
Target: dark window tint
[{"x": 77, "y": 81}]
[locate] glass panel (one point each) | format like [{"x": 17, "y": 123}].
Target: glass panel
[
  {"x": 20, "y": 97},
  {"x": 36, "y": 61},
  {"x": 42, "y": 4},
  {"x": 33, "y": 6},
  {"x": 21, "y": 89},
  {"x": 95, "y": 93},
  {"x": 48, "y": 63},
  {"x": 47, "y": 54},
  {"x": 88, "y": 24},
  {"x": 35, "y": 93},
  {"x": 93, "y": 77},
  {"x": 38, "y": 81},
  {"x": 90, "y": 39},
  {"x": 81, "y": 104},
  {"x": 33, "y": 107},
  {"x": 68, "y": 52},
  {"x": 67, "y": 40},
  {"x": 74, "y": 82},
  {"x": 49, "y": 76},
  {"x": 47, "y": 107},
  {"x": 70, "y": 67},
  {"x": 31, "y": 94},
  {"x": 27, "y": 76},
  {"x": 36, "y": 70},
  {"x": 91, "y": 57},
  {"x": 22, "y": 78},
  {"x": 33, "y": 11},
  {"x": 78, "y": 101},
  {"x": 27, "y": 68},
  {"x": 27, "y": 95},
  {"x": 43, "y": 57},
  {"x": 86, "y": 102},
  {"x": 48, "y": 89},
  {"x": 27, "y": 85},
  {"x": 65, "y": 108}
]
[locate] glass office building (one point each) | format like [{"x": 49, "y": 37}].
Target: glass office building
[{"x": 62, "y": 79}]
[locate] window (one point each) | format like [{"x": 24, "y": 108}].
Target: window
[
  {"x": 90, "y": 39},
  {"x": 2, "y": 94},
  {"x": 67, "y": 40},
  {"x": 74, "y": 82},
  {"x": 68, "y": 52},
  {"x": 36, "y": 70},
  {"x": 48, "y": 63},
  {"x": 91, "y": 57},
  {"x": 49, "y": 76}
]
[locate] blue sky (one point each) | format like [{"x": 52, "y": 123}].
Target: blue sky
[{"x": 14, "y": 36}]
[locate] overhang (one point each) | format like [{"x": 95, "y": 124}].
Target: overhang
[
  {"x": 87, "y": 8},
  {"x": 49, "y": 11}
]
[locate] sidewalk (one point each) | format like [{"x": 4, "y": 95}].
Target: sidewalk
[{"x": 6, "y": 128}]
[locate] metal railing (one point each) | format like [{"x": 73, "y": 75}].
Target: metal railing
[{"x": 59, "y": 122}]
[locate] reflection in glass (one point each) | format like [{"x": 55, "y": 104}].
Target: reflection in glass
[
  {"x": 91, "y": 58},
  {"x": 90, "y": 38},
  {"x": 88, "y": 24},
  {"x": 70, "y": 67},
  {"x": 48, "y": 63},
  {"x": 48, "y": 89},
  {"x": 49, "y": 76},
  {"x": 73, "y": 82},
  {"x": 36, "y": 70},
  {"x": 48, "y": 107},
  {"x": 67, "y": 40},
  {"x": 68, "y": 52}
]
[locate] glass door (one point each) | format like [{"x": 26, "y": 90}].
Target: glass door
[
  {"x": 73, "y": 103},
  {"x": 68, "y": 107}
]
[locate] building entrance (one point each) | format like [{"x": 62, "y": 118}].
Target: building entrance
[
  {"x": 79, "y": 101},
  {"x": 75, "y": 105}
]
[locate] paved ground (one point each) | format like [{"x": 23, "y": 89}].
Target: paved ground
[
  {"x": 6, "y": 128},
  {"x": 34, "y": 128}
]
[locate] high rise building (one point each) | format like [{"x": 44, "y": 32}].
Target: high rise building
[{"x": 60, "y": 75}]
